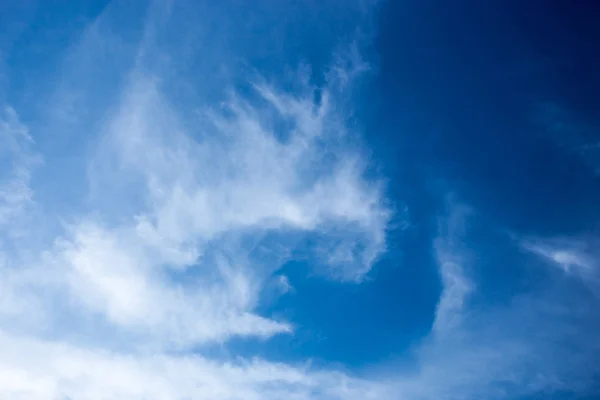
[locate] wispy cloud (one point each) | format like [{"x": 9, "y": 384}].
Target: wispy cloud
[
  {"x": 571, "y": 255},
  {"x": 59, "y": 370},
  {"x": 193, "y": 209},
  {"x": 194, "y": 200},
  {"x": 535, "y": 343},
  {"x": 577, "y": 257},
  {"x": 199, "y": 195},
  {"x": 451, "y": 257},
  {"x": 18, "y": 160}
]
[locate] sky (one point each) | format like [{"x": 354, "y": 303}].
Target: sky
[{"x": 304, "y": 200}]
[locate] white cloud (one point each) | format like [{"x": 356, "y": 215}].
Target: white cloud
[
  {"x": 535, "y": 343},
  {"x": 112, "y": 308},
  {"x": 283, "y": 283},
  {"x": 192, "y": 211},
  {"x": 571, "y": 255},
  {"x": 577, "y": 257},
  {"x": 17, "y": 162},
  {"x": 240, "y": 176},
  {"x": 173, "y": 254},
  {"x": 199, "y": 197},
  {"x": 451, "y": 257},
  {"x": 140, "y": 293},
  {"x": 55, "y": 370}
]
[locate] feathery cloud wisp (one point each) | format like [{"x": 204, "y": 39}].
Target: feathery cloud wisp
[{"x": 192, "y": 209}]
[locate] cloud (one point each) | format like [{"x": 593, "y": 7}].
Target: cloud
[
  {"x": 141, "y": 295},
  {"x": 240, "y": 175},
  {"x": 576, "y": 256},
  {"x": 194, "y": 200},
  {"x": 191, "y": 210},
  {"x": 18, "y": 160},
  {"x": 59, "y": 370},
  {"x": 201, "y": 197},
  {"x": 540, "y": 342},
  {"x": 283, "y": 283},
  {"x": 571, "y": 255},
  {"x": 451, "y": 257}
]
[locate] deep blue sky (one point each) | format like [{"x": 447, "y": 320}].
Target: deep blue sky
[{"x": 472, "y": 80}]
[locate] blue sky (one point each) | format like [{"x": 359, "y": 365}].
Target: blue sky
[{"x": 299, "y": 200}]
